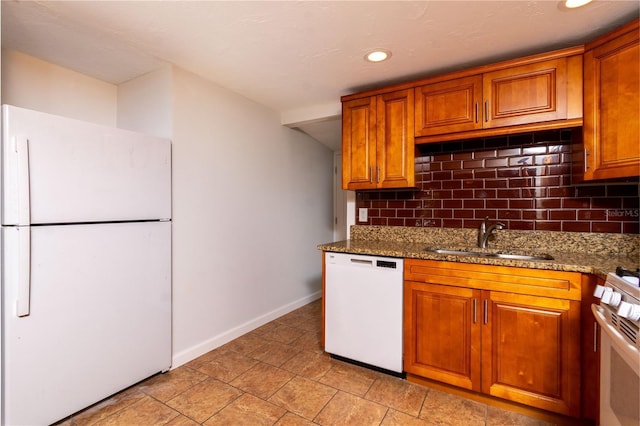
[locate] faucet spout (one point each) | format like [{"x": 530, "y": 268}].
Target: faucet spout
[{"x": 484, "y": 232}]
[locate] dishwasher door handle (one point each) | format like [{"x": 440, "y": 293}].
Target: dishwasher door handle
[{"x": 362, "y": 261}]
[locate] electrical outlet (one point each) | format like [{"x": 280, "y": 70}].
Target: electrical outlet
[{"x": 362, "y": 215}]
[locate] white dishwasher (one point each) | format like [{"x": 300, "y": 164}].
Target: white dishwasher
[{"x": 363, "y": 309}]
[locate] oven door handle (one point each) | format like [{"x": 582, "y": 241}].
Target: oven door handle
[{"x": 617, "y": 339}]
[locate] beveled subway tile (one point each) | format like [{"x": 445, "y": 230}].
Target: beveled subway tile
[
  {"x": 263, "y": 380},
  {"x": 398, "y": 394},
  {"x": 349, "y": 378},
  {"x": 548, "y": 167},
  {"x": 147, "y": 411},
  {"x": 165, "y": 386},
  {"x": 247, "y": 410},
  {"x": 108, "y": 406},
  {"x": 227, "y": 366},
  {"x": 347, "y": 409},
  {"x": 303, "y": 397},
  {"x": 445, "y": 409},
  {"x": 312, "y": 365},
  {"x": 204, "y": 399}
]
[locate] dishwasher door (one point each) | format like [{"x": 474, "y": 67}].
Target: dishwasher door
[{"x": 363, "y": 309}]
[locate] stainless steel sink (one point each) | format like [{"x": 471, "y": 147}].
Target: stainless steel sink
[
  {"x": 513, "y": 256},
  {"x": 454, "y": 252},
  {"x": 519, "y": 256}
]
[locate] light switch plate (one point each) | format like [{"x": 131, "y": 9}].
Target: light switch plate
[{"x": 362, "y": 214}]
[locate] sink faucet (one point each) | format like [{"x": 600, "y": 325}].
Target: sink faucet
[{"x": 484, "y": 233}]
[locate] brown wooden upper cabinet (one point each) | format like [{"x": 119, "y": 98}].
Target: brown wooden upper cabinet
[
  {"x": 510, "y": 96},
  {"x": 611, "y": 132},
  {"x": 377, "y": 141}
]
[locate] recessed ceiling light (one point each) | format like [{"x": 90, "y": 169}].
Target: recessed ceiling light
[
  {"x": 572, "y": 4},
  {"x": 378, "y": 55}
]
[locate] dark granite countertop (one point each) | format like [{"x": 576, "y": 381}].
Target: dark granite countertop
[{"x": 588, "y": 253}]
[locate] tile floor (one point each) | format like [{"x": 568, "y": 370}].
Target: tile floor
[{"x": 278, "y": 374}]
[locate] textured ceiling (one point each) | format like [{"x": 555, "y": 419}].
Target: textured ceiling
[{"x": 297, "y": 57}]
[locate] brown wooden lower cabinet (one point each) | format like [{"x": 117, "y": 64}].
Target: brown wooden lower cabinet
[
  {"x": 442, "y": 337},
  {"x": 478, "y": 328},
  {"x": 531, "y": 351}
]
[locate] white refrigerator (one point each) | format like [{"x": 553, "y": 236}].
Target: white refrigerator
[{"x": 86, "y": 263}]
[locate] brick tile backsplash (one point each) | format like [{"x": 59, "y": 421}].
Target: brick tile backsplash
[{"x": 522, "y": 180}]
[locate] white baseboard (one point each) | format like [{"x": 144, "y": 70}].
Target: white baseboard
[{"x": 195, "y": 351}]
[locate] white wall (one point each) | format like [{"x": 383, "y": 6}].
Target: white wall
[
  {"x": 145, "y": 104},
  {"x": 32, "y": 83},
  {"x": 251, "y": 198}
]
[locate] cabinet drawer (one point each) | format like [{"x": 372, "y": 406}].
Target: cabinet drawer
[{"x": 537, "y": 282}]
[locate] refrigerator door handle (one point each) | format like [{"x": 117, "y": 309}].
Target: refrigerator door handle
[
  {"x": 24, "y": 272},
  {"x": 21, "y": 147},
  {"x": 16, "y": 197}
]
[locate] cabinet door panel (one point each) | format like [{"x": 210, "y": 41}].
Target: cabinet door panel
[
  {"x": 449, "y": 106},
  {"x": 612, "y": 108},
  {"x": 531, "y": 351},
  {"x": 358, "y": 143},
  {"x": 526, "y": 94},
  {"x": 395, "y": 156},
  {"x": 442, "y": 340}
]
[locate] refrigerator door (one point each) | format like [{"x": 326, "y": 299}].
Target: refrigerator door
[
  {"x": 99, "y": 298},
  {"x": 60, "y": 170}
]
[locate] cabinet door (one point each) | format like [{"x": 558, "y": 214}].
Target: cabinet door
[
  {"x": 442, "y": 333},
  {"x": 612, "y": 107},
  {"x": 449, "y": 106},
  {"x": 359, "y": 143},
  {"x": 395, "y": 141},
  {"x": 526, "y": 94},
  {"x": 531, "y": 351}
]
